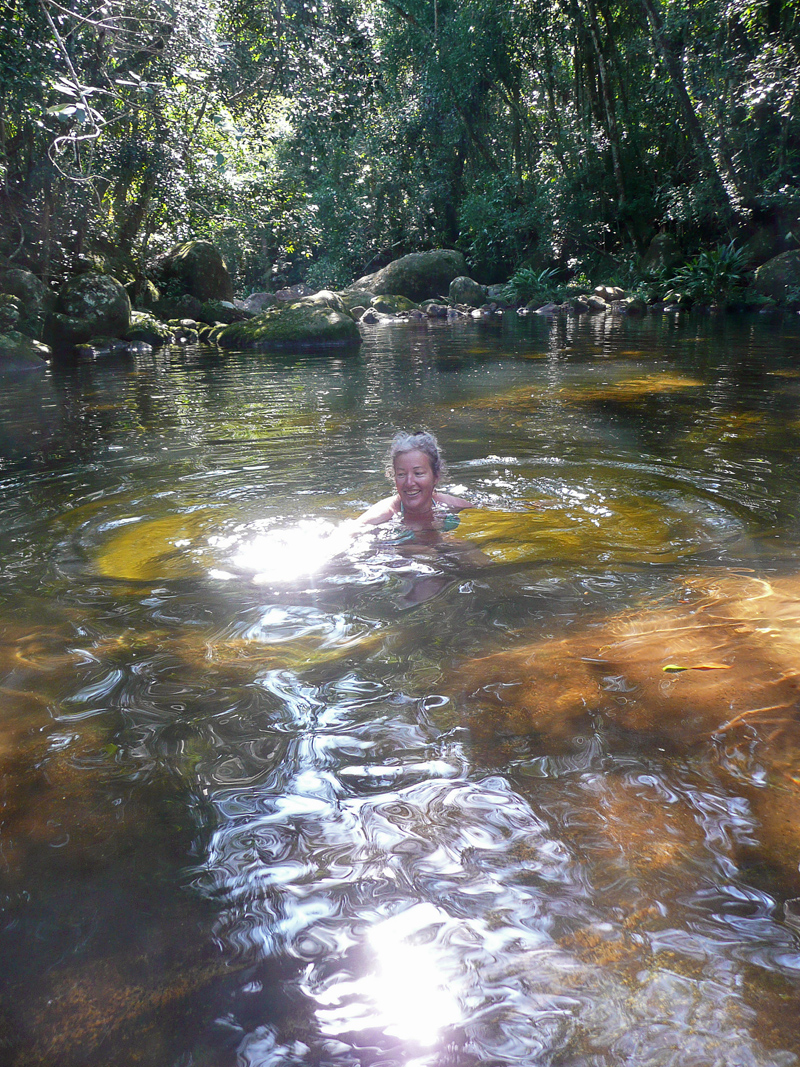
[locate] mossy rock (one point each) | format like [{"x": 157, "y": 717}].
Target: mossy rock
[
  {"x": 10, "y": 312},
  {"x": 779, "y": 278},
  {"x": 213, "y": 312},
  {"x": 393, "y": 305},
  {"x": 326, "y": 298},
  {"x": 195, "y": 268},
  {"x": 662, "y": 254},
  {"x": 635, "y": 305},
  {"x": 36, "y": 299},
  {"x": 352, "y": 298},
  {"x": 146, "y": 327},
  {"x": 464, "y": 290},
  {"x": 417, "y": 276},
  {"x": 313, "y": 321},
  {"x": 88, "y": 306},
  {"x": 19, "y": 353}
]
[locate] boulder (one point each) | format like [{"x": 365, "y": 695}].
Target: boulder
[
  {"x": 91, "y": 305},
  {"x": 373, "y": 317},
  {"x": 145, "y": 328},
  {"x": 35, "y": 298},
  {"x": 435, "y": 311},
  {"x": 10, "y": 312},
  {"x": 634, "y": 305},
  {"x": 464, "y": 290},
  {"x": 352, "y": 298},
  {"x": 418, "y": 276},
  {"x": 291, "y": 293},
  {"x": 763, "y": 244},
  {"x": 662, "y": 255},
  {"x": 779, "y": 277},
  {"x": 392, "y": 305},
  {"x": 319, "y": 320},
  {"x": 185, "y": 331},
  {"x": 257, "y": 302},
  {"x": 222, "y": 311},
  {"x": 20, "y": 353},
  {"x": 608, "y": 292},
  {"x": 596, "y": 303},
  {"x": 195, "y": 268}
]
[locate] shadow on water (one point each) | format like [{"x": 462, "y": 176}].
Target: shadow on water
[{"x": 524, "y": 795}]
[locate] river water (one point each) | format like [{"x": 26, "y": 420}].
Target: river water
[{"x": 527, "y": 795}]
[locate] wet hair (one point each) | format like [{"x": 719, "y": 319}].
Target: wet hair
[{"x": 418, "y": 441}]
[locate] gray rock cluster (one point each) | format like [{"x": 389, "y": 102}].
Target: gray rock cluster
[{"x": 188, "y": 297}]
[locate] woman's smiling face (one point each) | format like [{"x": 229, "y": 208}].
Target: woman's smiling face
[{"x": 414, "y": 480}]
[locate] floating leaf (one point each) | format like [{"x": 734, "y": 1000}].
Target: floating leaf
[{"x": 674, "y": 668}]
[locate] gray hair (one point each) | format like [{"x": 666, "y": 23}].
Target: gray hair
[{"x": 418, "y": 441}]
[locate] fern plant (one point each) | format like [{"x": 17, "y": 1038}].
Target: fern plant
[
  {"x": 526, "y": 284},
  {"x": 713, "y": 277}
]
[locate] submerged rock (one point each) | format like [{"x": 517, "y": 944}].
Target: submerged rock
[
  {"x": 316, "y": 320},
  {"x": 418, "y": 276},
  {"x": 709, "y": 673}
]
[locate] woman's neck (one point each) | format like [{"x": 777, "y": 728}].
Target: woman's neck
[{"x": 418, "y": 520}]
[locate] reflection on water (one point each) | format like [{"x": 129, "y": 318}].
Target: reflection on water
[{"x": 526, "y": 794}]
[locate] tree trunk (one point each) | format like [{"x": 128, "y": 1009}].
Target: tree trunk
[{"x": 724, "y": 183}]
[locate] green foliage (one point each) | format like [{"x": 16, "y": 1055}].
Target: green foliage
[
  {"x": 305, "y": 136},
  {"x": 498, "y": 226},
  {"x": 527, "y": 284},
  {"x": 716, "y": 276}
]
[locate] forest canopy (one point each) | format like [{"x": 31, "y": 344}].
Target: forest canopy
[{"x": 305, "y": 139}]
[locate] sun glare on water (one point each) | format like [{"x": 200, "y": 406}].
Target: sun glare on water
[
  {"x": 288, "y": 554},
  {"x": 405, "y": 995}
]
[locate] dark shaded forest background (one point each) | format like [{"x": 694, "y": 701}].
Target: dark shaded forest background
[{"x": 312, "y": 140}]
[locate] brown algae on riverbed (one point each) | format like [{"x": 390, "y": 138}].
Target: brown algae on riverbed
[
  {"x": 589, "y": 526},
  {"x": 623, "y": 671}
]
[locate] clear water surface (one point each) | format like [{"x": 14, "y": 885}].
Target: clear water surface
[{"x": 528, "y": 795}]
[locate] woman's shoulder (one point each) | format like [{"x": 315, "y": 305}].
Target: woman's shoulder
[
  {"x": 383, "y": 511},
  {"x": 453, "y": 503}
]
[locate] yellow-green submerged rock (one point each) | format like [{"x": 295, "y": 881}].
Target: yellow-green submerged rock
[{"x": 317, "y": 320}]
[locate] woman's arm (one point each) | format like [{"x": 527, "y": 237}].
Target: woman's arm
[{"x": 384, "y": 511}]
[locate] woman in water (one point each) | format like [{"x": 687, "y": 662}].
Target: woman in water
[{"x": 415, "y": 465}]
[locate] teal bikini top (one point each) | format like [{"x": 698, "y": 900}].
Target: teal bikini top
[{"x": 449, "y": 522}]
